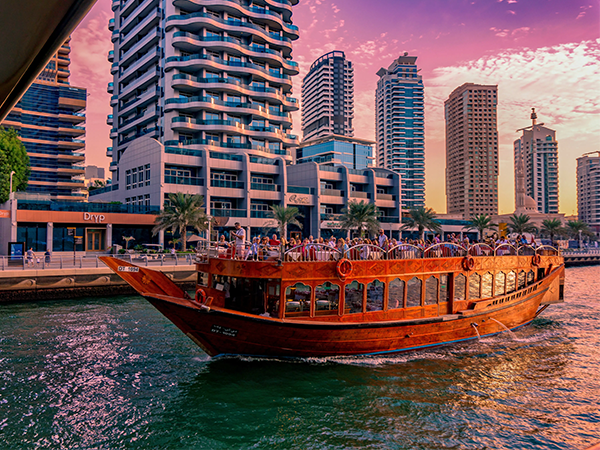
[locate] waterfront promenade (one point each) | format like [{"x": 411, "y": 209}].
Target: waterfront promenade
[{"x": 72, "y": 277}]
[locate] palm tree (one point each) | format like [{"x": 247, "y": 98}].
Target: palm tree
[
  {"x": 520, "y": 224},
  {"x": 184, "y": 210},
  {"x": 362, "y": 216},
  {"x": 127, "y": 239},
  {"x": 574, "y": 227},
  {"x": 481, "y": 223},
  {"x": 285, "y": 216},
  {"x": 551, "y": 227},
  {"x": 422, "y": 218}
]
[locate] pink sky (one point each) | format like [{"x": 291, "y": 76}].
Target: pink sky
[{"x": 543, "y": 54}]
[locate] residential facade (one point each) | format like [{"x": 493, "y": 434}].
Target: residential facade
[
  {"x": 472, "y": 150},
  {"x": 337, "y": 150},
  {"x": 400, "y": 128},
  {"x": 538, "y": 149},
  {"x": 588, "y": 190},
  {"x": 328, "y": 97},
  {"x": 201, "y": 105},
  {"x": 49, "y": 119}
]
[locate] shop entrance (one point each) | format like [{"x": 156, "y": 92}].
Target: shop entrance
[{"x": 95, "y": 240}]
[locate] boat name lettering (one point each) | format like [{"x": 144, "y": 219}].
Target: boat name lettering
[
  {"x": 98, "y": 218},
  {"x": 128, "y": 269},
  {"x": 218, "y": 329}
]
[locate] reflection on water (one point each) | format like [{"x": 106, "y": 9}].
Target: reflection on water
[{"x": 112, "y": 373}]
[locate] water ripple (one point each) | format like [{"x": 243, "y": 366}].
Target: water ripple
[{"x": 113, "y": 373}]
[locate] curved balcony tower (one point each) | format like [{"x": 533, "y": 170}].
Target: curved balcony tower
[{"x": 211, "y": 82}]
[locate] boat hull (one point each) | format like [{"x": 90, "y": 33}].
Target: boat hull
[{"x": 219, "y": 331}]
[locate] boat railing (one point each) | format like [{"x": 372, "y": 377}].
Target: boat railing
[
  {"x": 312, "y": 253},
  {"x": 547, "y": 250},
  {"x": 405, "y": 251},
  {"x": 526, "y": 250},
  {"x": 363, "y": 252},
  {"x": 506, "y": 250},
  {"x": 445, "y": 250},
  {"x": 481, "y": 250}
]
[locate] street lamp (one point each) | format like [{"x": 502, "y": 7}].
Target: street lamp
[{"x": 10, "y": 194}]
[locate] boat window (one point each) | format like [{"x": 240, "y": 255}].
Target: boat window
[
  {"x": 431, "y": 291},
  {"x": 297, "y": 300},
  {"x": 327, "y": 298},
  {"x": 522, "y": 279},
  {"x": 242, "y": 294},
  {"x": 487, "y": 281},
  {"x": 444, "y": 292},
  {"x": 202, "y": 279},
  {"x": 273, "y": 292},
  {"x": 530, "y": 277},
  {"x": 396, "y": 294},
  {"x": 353, "y": 297},
  {"x": 413, "y": 293},
  {"x": 474, "y": 285},
  {"x": 499, "y": 285},
  {"x": 460, "y": 286},
  {"x": 511, "y": 282},
  {"x": 375, "y": 296}
]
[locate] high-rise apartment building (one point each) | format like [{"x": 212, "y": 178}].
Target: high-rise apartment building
[
  {"x": 202, "y": 102},
  {"x": 472, "y": 150},
  {"x": 400, "y": 127},
  {"x": 538, "y": 149},
  {"x": 328, "y": 97},
  {"x": 49, "y": 119},
  {"x": 588, "y": 190}
]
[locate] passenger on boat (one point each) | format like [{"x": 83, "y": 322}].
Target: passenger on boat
[
  {"x": 240, "y": 241},
  {"x": 253, "y": 251},
  {"x": 274, "y": 241},
  {"x": 381, "y": 238}
]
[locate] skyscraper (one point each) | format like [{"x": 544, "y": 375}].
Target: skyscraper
[
  {"x": 49, "y": 119},
  {"x": 472, "y": 150},
  {"x": 328, "y": 97},
  {"x": 201, "y": 104},
  {"x": 538, "y": 149},
  {"x": 588, "y": 190},
  {"x": 400, "y": 127}
]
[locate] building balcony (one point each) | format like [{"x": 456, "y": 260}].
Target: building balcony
[
  {"x": 190, "y": 42},
  {"x": 109, "y": 152},
  {"x": 227, "y": 145},
  {"x": 207, "y": 103},
  {"x": 110, "y": 88},
  {"x": 188, "y": 181},
  {"x": 113, "y": 166},
  {"x": 111, "y": 24},
  {"x": 232, "y": 86},
  {"x": 359, "y": 194},
  {"x": 196, "y": 21},
  {"x": 227, "y": 184},
  {"x": 111, "y": 55},
  {"x": 114, "y": 100},
  {"x": 265, "y": 187},
  {"x": 229, "y": 212},
  {"x": 198, "y": 62},
  {"x": 115, "y": 4},
  {"x": 109, "y": 119}
]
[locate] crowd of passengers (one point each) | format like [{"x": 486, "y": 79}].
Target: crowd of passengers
[{"x": 263, "y": 248}]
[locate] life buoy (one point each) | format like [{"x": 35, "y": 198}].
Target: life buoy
[
  {"x": 468, "y": 263},
  {"x": 200, "y": 296},
  {"x": 344, "y": 268},
  {"x": 536, "y": 260}
]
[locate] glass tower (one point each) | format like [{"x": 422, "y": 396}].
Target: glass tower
[
  {"x": 49, "y": 119},
  {"x": 400, "y": 127}
]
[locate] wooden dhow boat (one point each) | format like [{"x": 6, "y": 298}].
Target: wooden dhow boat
[{"x": 315, "y": 301}]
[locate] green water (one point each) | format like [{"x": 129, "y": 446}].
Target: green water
[{"x": 113, "y": 373}]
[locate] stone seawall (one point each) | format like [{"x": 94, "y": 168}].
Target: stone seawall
[{"x": 54, "y": 284}]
